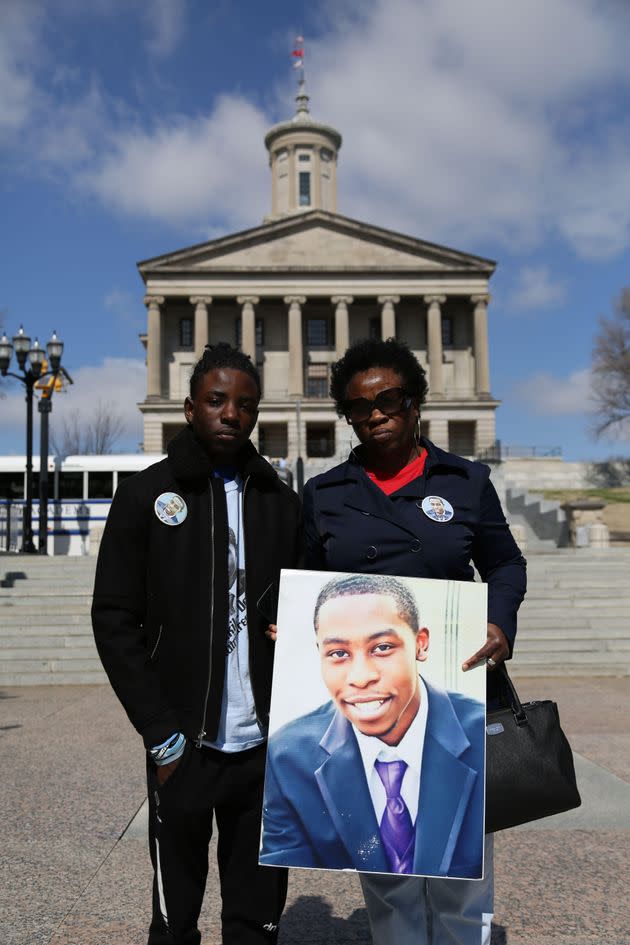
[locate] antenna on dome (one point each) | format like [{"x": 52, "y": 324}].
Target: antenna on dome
[{"x": 297, "y": 56}]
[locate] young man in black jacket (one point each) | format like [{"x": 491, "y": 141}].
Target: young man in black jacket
[{"x": 192, "y": 547}]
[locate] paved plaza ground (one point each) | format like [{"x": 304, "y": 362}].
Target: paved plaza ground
[{"x": 74, "y": 861}]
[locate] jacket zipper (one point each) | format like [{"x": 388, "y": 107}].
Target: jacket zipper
[
  {"x": 202, "y": 732},
  {"x": 251, "y": 661},
  {"x": 157, "y": 642}
]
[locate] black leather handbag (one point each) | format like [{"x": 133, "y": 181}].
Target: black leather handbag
[{"x": 529, "y": 764}]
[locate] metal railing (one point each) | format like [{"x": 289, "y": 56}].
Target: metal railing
[
  {"x": 499, "y": 451},
  {"x": 11, "y": 521}
]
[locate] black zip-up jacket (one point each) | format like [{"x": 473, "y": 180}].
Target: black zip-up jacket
[{"x": 160, "y": 607}]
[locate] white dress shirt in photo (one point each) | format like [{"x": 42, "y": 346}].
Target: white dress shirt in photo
[{"x": 409, "y": 749}]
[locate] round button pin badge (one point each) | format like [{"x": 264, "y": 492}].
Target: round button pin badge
[
  {"x": 437, "y": 509},
  {"x": 170, "y": 508}
]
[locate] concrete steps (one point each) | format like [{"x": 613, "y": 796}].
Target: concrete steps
[
  {"x": 545, "y": 523},
  {"x": 45, "y": 628},
  {"x": 574, "y": 621}
]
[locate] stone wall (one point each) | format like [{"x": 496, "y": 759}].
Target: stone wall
[{"x": 535, "y": 474}]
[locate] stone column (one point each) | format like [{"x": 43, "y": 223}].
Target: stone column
[
  {"x": 296, "y": 353},
  {"x": 482, "y": 367},
  {"x": 248, "y": 324},
  {"x": 273, "y": 164},
  {"x": 316, "y": 180},
  {"x": 201, "y": 304},
  {"x": 388, "y": 315},
  {"x": 154, "y": 346},
  {"x": 434, "y": 344},
  {"x": 342, "y": 323}
]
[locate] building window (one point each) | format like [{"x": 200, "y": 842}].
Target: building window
[
  {"x": 320, "y": 439},
  {"x": 12, "y": 485},
  {"x": 374, "y": 329},
  {"x": 461, "y": 437},
  {"x": 272, "y": 440},
  {"x": 169, "y": 431},
  {"x": 185, "y": 332},
  {"x": 260, "y": 331},
  {"x": 447, "y": 331},
  {"x": 305, "y": 189},
  {"x": 304, "y": 157},
  {"x": 317, "y": 333},
  {"x": 71, "y": 485},
  {"x": 317, "y": 381},
  {"x": 100, "y": 485}
]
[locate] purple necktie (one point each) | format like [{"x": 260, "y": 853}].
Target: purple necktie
[{"x": 397, "y": 832}]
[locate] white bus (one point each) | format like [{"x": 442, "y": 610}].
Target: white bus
[{"x": 80, "y": 492}]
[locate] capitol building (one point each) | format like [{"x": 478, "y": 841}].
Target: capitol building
[{"x": 295, "y": 291}]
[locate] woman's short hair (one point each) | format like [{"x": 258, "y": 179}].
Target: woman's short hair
[
  {"x": 222, "y": 355},
  {"x": 375, "y": 353}
]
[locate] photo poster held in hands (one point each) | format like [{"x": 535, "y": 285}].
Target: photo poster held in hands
[{"x": 376, "y": 755}]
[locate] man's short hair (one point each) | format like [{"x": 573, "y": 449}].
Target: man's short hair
[
  {"x": 222, "y": 355},
  {"x": 358, "y": 584}
]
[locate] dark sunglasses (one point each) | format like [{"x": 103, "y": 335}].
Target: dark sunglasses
[{"x": 388, "y": 402}]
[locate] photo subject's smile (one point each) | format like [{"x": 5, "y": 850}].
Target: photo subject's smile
[{"x": 367, "y": 708}]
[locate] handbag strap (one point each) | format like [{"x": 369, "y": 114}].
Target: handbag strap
[{"x": 515, "y": 703}]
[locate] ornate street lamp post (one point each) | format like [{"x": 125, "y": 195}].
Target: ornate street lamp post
[
  {"x": 30, "y": 359},
  {"x": 54, "y": 349}
]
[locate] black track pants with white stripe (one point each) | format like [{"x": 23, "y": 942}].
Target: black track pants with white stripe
[{"x": 180, "y": 828}]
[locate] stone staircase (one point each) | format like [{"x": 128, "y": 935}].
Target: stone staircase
[
  {"x": 575, "y": 619},
  {"x": 45, "y": 627},
  {"x": 544, "y": 521}
]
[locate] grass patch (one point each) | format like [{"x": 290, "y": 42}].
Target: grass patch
[{"x": 611, "y": 496}]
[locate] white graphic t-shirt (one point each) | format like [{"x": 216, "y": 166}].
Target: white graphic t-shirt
[{"x": 238, "y": 726}]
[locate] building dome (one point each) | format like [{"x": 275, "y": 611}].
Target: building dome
[{"x": 303, "y": 161}]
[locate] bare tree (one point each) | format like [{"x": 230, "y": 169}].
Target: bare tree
[
  {"x": 93, "y": 433},
  {"x": 611, "y": 370}
]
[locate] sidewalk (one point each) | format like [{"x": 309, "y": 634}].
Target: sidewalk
[{"x": 74, "y": 866}]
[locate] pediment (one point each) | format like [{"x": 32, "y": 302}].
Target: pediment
[{"x": 317, "y": 240}]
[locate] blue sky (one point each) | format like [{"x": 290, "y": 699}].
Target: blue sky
[{"x": 131, "y": 128}]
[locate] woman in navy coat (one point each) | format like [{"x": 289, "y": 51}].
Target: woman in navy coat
[{"x": 401, "y": 506}]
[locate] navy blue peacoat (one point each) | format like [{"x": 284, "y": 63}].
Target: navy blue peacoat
[{"x": 351, "y": 525}]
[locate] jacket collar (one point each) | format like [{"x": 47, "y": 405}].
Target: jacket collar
[
  {"x": 440, "y": 458},
  {"x": 436, "y": 459},
  {"x": 189, "y": 460}
]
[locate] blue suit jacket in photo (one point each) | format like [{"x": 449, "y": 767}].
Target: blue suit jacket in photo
[{"x": 317, "y": 809}]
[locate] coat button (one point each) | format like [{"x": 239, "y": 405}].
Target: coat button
[
  {"x": 371, "y": 553},
  {"x": 416, "y": 545}
]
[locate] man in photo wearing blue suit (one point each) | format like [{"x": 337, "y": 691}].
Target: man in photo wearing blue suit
[{"x": 389, "y": 775}]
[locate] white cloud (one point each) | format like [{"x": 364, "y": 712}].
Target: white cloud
[
  {"x": 547, "y": 395},
  {"x": 166, "y": 20},
  {"x": 189, "y": 169},
  {"x": 535, "y": 288},
  {"x": 19, "y": 37},
  {"x": 116, "y": 382},
  {"x": 462, "y": 123},
  {"x": 473, "y": 121}
]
